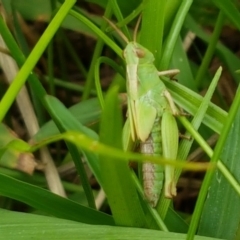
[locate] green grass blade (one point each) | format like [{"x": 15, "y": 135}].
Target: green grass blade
[
  {"x": 89, "y": 144},
  {"x": 173, "y": 35},
  {"x": 50, "y": 203},
  {"x": 39, "y": 180},
  {"x": 151, "y": 38},
  {"x": 87, "y": 113},
  {"x": 29, "y": 226},
  {"x": 174, "y": 222},
  {"x": 180, "y": 61},
  {"x": 116, "y": 174},
  {"x": 230, "y": 10},
  {"x": 209, "y": 175},
  {"x": 222, "y": 205},
  {"x": 117, "y": 12},
  {"x": 95, "y": 29},
  {"x": 196, "y": 122},
  {"x": 190, "y": 101}
]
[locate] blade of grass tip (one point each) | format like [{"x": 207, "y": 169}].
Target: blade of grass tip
[
  {"x": 208, "y": 177},
  {"x": 34, "y": 56},
  {"x": 197, "y": 120}
]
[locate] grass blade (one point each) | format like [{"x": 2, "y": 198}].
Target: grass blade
[
  {"x": 116, "y": 174},
  {"x": 50, "y": 203}
]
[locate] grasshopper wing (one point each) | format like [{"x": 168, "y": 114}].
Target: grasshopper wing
[
  {"x": 132, "y": 117},
  {"x": 145, "y": 115}
]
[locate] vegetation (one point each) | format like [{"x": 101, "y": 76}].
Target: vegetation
[{"x": 67, "y": 82}]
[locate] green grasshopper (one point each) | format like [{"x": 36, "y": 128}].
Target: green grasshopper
[{"x": 151, "y": 112}]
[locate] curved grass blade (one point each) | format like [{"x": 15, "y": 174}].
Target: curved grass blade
[
  {"x": 50, "y": 203},
  {"x": 29, "y": 226}
]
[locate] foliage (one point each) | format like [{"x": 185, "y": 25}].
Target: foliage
[{"x": 92, "y": 128}]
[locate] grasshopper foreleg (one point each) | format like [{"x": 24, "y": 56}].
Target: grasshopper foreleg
[{"x": 170, "y": 73}]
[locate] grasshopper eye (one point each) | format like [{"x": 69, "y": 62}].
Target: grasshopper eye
[{"x": 140, "y": 53}]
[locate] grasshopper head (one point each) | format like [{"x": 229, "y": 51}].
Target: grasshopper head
[{"x": 136, "y": 53}]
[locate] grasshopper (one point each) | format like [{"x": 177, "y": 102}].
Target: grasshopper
[{"x": 151, "y": 112}]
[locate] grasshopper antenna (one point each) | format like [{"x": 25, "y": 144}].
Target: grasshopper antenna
[
  {"x": 120, "y": 33},
  {"x": 136, "y": 28}
]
